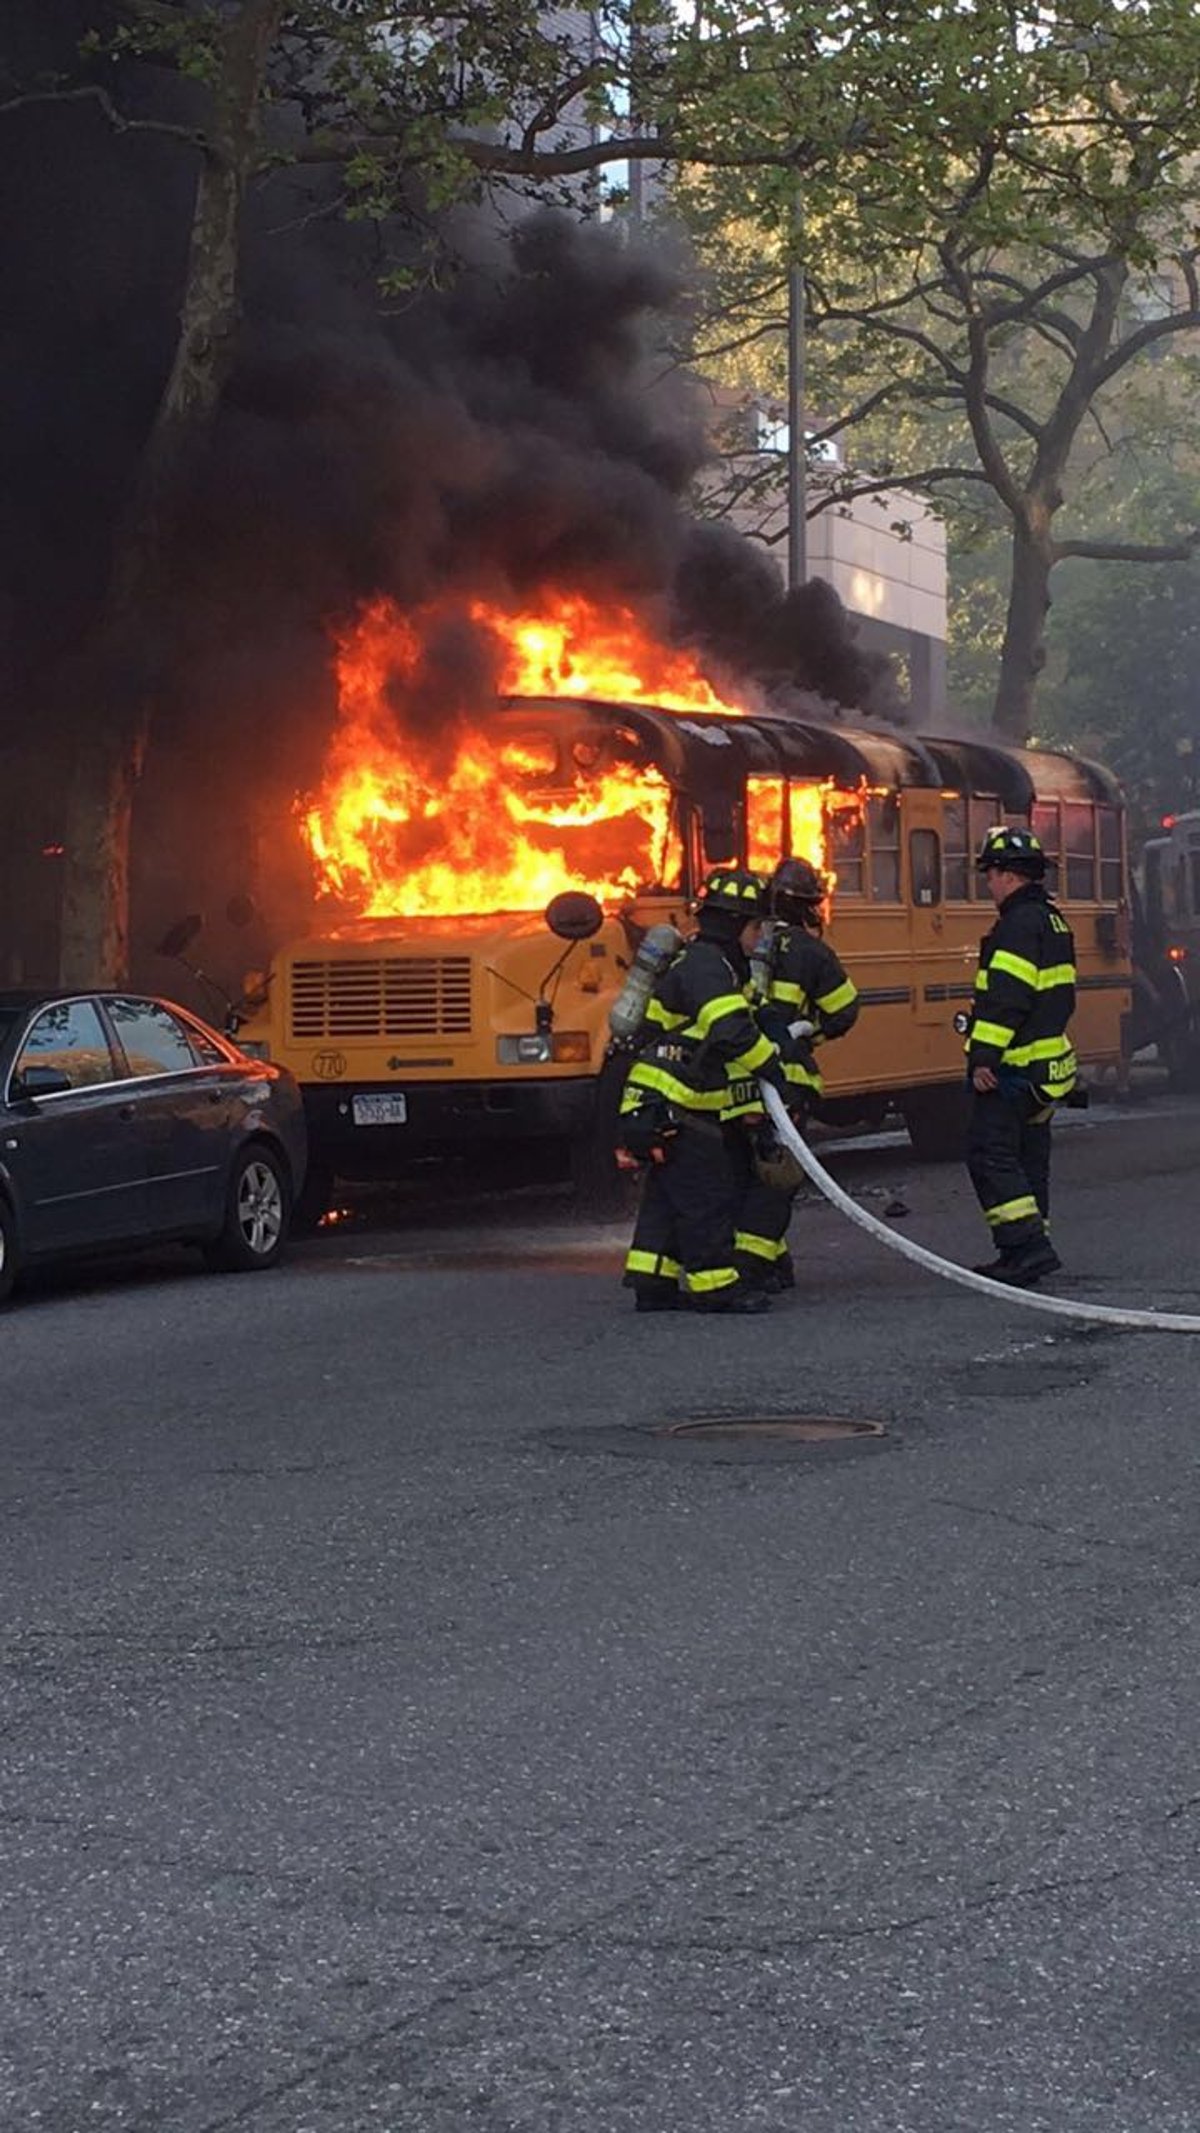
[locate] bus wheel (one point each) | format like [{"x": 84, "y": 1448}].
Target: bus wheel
[
  {"x": 1180, "y": 1054},
  {"x": 937, "y": 1122},
  {"x": 315, "y": 1200}
]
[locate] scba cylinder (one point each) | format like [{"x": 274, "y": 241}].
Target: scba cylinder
[{"x": 658, "y": 947}]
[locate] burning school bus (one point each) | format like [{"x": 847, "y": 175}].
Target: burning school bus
[{"x": 436, "y": 1013}]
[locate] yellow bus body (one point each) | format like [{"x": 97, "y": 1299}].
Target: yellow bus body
[{"x": 423, "y": 1035}]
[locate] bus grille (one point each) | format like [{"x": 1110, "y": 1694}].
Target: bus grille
[{"x": 393, "y": 996}]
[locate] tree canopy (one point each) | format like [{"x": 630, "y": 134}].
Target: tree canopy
[{"x": 984, "y": 312}]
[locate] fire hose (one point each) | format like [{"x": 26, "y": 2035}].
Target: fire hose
[{"x": 1053, "y": 1306}]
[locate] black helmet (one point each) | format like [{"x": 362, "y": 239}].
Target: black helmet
[
  {"x": 1016, "y": 851},
  {"x": 797, "y": 890},
  {"x": 734, "y": 889}
]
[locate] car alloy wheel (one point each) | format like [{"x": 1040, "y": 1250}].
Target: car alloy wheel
[{"x": 260, "y": 1209}]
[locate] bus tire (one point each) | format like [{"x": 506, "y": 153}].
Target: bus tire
[
  {"x": 314, "y": 1201},
  {"x": 1181, "y": 1057},
  {"x": 936, "y": 1119}
]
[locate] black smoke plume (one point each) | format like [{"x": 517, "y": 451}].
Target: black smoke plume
[{"x": 514, "y": 432}]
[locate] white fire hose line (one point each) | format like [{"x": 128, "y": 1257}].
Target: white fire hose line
[{"x": 999, "y": 1291}]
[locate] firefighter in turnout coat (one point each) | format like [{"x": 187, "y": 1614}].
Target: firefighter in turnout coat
[
  {"x": 803, "y": 998},
  {"x": 1020, "y": 1061},
  {"x": 690, "y": 1099}
]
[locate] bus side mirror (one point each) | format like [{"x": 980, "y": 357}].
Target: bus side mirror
[{"x": 574, "y": 916}]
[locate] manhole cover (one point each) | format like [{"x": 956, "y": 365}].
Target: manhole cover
[{"x": 804, "y": 1429}]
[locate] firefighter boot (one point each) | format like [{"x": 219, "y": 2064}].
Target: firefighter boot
[
  {"x": 739, "y": 1302},
  {"x": 1025, "y": 1268},
  {"x": 657, "y": 1296}
]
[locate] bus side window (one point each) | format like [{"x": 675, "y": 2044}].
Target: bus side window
[
  {"x": 1112, "y": 884},
  {"x": 957, "y": 861},
  {"x": 1044, "y": 822},
  {"x": 925, "y": 866},
  {"x": 846, "y": 839},
  {"x": 984, "y": 815},
  {"x": 1079, "y": 848},
  {"x": 883, "y": 821}
]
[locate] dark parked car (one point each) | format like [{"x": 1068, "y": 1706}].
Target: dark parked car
[{"x": 127, "y": 1121}]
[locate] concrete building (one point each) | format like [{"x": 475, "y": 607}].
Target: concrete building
[{"x": 884, "y": 555}]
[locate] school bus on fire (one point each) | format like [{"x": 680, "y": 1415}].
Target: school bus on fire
[{"x": 414, "y": 1037}]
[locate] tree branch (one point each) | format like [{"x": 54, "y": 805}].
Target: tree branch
[
  {"x": 94, "y": 94},
  {"x": 994, "y": 465},
  {"x": 1180, "y": 551},
  {"x": 925, "y": 478}
]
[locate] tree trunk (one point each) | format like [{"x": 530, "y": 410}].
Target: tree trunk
[
  {"x": 125, "y": 664},
  {"x": 94, "y": 940},
  {"x": 1024, "y": 652}
]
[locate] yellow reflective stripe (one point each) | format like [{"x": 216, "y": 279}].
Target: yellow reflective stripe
[
  {"x": 656, "y": 1012},
  {"x": 727, "y": 1003},
  {"x": 1014, "y": 1210},
  {"x": 1056, "y": 974},
  {"x": 1017, "y": 966},
  {"x": 655, "y": 1263},
  {"x": 1038, "y": 1048},
  {"x": 644, "y": 1076},
  {"x": 770, "y": 1248},
  {"x": 744, "y": 1108},
  {"x": 749, "y": 1062},
  {"x": 981, "y": 981},
  {"x": 831, "y": 1003},
  {"x": 802, "y": 1076},
  {"x": 712, "y": 1277},
  {"x": 784, "y": 989},
  {"x": 991, "y": 1033}
]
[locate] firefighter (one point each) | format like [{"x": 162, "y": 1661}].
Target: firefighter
[
  {"x": 689, "y": 1096},
  {"x": 1020, "y": 1061},
  {"x": 806, "y": 999}
]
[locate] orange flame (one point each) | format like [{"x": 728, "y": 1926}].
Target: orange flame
[
  {"x": 510, "y": 819},
  {"x": 578, "y": 649}
]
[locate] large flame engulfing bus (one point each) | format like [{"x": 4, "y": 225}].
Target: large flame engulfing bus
[{"x": 430, "y": 1011}]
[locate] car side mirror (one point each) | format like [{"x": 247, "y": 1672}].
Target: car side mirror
[{"x": 41, "y": 1081}]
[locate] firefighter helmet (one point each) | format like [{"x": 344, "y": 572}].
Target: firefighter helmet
[
  {"x": 797, "y": 890},
  {"x": 1015, "y": 851},
  {"x": 734, "y": 889}
]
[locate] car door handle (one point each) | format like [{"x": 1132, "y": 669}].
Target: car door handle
[
  {"x": 216, "y": 1096},
  {"x": 127, "y": 1111}
]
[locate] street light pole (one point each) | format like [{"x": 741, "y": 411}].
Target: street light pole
[{"x": 797, "y": 499}]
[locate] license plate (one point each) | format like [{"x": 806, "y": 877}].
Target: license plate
[{"x": 379, "y": 1110}]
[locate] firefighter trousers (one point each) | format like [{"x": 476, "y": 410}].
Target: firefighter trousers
[
  {"x": 1008, "y": 1157},
  {"x": 765, "y": 1217},
  {"x": 761, "y": 1236},
  {"x": 688, "y": 1213}
]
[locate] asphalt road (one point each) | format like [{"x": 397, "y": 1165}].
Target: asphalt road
[{"x": 401, "y": 1731}]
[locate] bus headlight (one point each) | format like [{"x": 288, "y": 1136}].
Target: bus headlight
[{"x": 545, "y": 1048}]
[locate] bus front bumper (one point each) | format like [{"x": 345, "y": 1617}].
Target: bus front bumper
[{"x": 444, "y": 1118}]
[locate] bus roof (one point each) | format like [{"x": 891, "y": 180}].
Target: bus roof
[{"x": 696, "y": 748}]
